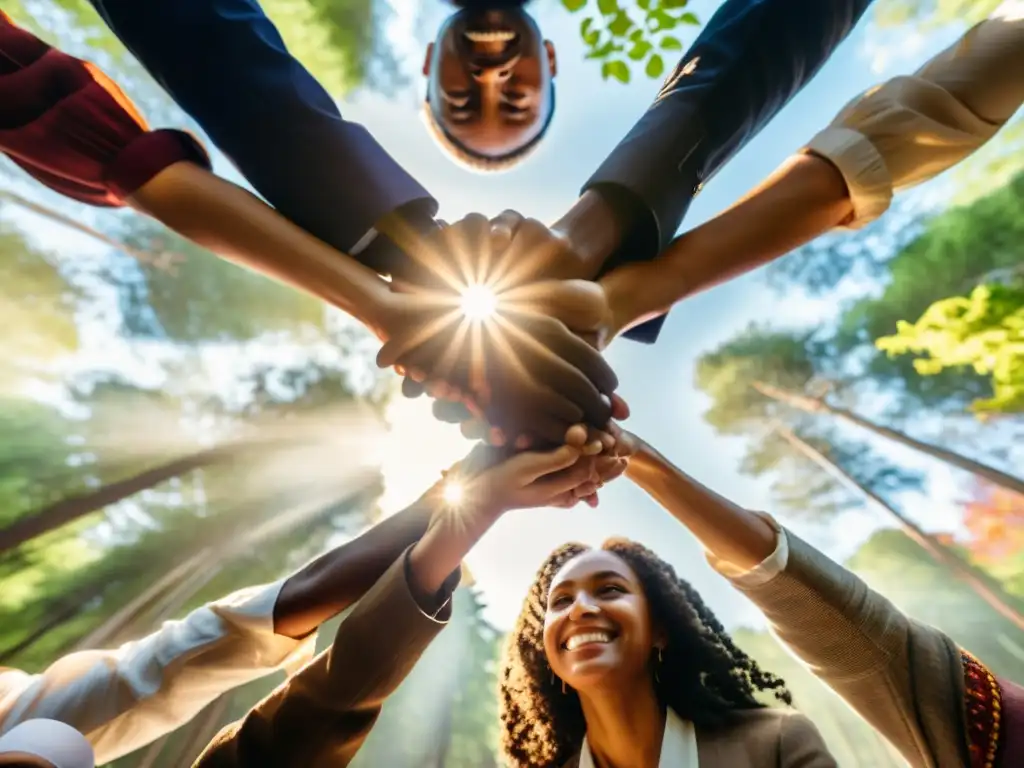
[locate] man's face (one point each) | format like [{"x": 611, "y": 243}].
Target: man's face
[{"x": 489, "y": 77}]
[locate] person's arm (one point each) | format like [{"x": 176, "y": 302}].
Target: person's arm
[
  {"x": 80, "y": 135},
  {"x": 124, "y": 698},
  {"x": 322, "y": 716},
  {"x": 904, "y": 678},
  {"x": 747, "y": 63},
  {"x": 891, "y": 138},
  {"x": 226, "y": 65}
]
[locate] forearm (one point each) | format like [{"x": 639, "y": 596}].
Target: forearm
[
  {"x": 451, "y": 535},
  {"x": 801, "y": 200},
  {"x": 595, "y": 227},
  {"x": 236, "y": 225},
  {"x": 335, "y": 581},
  {"x": 727, "y": 531}
]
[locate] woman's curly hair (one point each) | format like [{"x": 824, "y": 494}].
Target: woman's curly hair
[{"x": 702, "y": 676}]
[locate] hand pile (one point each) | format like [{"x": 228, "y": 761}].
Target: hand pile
[{"x": 524, "y": 371}]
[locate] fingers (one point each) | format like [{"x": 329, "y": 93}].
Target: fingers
[
  {"x": 580, "y": 304},
  {"x": 565, "y": 481},
  {"x": 620, "y": 408},
  {"x": 411, "y": 388},
  {"x": 563, "y": 345},
  {"x": 503, "y": 229},
  {"x": 532, "y": 465}
]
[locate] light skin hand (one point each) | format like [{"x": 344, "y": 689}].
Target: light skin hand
[{"x": 492, "y": 485}]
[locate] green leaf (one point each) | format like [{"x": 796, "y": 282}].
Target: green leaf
[
  {"x": 607, "y": 7},
  {"x": 637, "y": 35},
  {"x": 590, "y": 36},
  {"x": 669, "y": 43},
  {"x": 620, "y": 25},
  {"x": 617, "y": 69},
  {"x": 640, "y": 50},
  {"x": 573, "y": 5},
  {"x": 655, "y": 66},
  {"x": 671, "y": 4},
  {"x": 689, "y": 18},
  {"x": 644, "y": 4},
  {"x": 661, "y": 21},
  {"x": 604, "y": 51}
]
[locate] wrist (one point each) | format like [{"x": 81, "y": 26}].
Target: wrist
[{"x": 594, "y": 228}]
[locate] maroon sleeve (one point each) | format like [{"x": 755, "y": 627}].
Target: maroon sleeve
[{"x": 71, "y": 128}]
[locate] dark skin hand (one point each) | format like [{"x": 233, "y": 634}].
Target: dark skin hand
[{"x": 523, "y": 371}]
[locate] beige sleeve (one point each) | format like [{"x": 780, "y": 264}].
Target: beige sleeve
[{"x": 911, "y": 129}]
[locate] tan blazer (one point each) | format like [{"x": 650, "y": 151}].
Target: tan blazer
[
  {"x": 321, "y": 716},
  {"x": 905, "y": 678},
  {"x": 760, "y": 738}
]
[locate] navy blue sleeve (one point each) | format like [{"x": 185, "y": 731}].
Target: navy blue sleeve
[
  {"x": 748, "y": 62},
  {"x": 225, "y": 64}
]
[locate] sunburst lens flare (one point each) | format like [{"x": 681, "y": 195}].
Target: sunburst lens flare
[
  {"x": 453, "y": 493},
  {"x": 478, "y": 302}
]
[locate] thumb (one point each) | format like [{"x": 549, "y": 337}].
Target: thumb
[{"x": 531, "y": 465}]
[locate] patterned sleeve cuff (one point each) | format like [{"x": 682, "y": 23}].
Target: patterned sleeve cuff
[
  {"x": 148, "y": 155},
  {"x": 863, "y": 168},
  {"x": 764, "y": 571}
]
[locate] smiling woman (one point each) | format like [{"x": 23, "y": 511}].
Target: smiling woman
[{"x": 615, "y": 657}]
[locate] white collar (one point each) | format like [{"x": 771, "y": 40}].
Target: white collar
[{"x": 678, "y": 745}]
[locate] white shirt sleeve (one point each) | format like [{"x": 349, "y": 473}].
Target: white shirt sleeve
[
  {"x": 124, "y": 698},
  {"x": 910, "y": 129},
  {"x": 764, "y": 571}
]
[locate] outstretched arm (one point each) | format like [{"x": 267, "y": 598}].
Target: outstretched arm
[
  {"x": 322, "y": 716},
  {"x": 893, "y": 137},
  {"x": 126, "y": 697},
  {"x": 81, "y": 136},
  {"x": 906, "y": 679}
]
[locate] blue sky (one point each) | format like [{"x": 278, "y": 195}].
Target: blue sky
[{"x": 667, "y": 411}]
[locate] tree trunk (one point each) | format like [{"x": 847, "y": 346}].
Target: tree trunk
[
  {"x": 160, "y": 261},
  {"x": 68, "y": 510},
  {"x": 819, "y": 405},
  {"x": 936, "y": 549}
]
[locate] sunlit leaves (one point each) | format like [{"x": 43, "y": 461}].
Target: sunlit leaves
[
  {"x": 983, "y": 331},
  {"x": 617, "y": 69},
  {"x": 634, "y": 27}
]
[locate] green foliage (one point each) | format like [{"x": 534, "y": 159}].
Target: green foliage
[
  {"x": 337, "y": 40},
  {"x": 788, "y": 360},
  {"x": 926, "y": 15},
  {"x": 956, "y": 251},
  {"x": 203, "y": 298},
  {"x": 621, "y": 36},
  {"x": 759, "y": 354},
  {"x": 984, "y": 331},
  {"x": 37, "y": 304},
  {"x": 334, "y": 39}
]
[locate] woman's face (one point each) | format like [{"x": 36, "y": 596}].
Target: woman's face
[{"x": 597, "y": 628}]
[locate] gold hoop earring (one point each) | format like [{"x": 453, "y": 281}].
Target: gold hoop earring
[{"x": 658, "y": 667}]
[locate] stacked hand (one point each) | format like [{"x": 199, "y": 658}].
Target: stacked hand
[{"x": 524, "y": 370}]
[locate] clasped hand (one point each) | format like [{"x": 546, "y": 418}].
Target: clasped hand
[{"x": 522, "y": 367}]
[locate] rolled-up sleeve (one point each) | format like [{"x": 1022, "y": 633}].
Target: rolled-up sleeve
[
  {"x": 124, "y": 698},
  {"x": 71, "y": 127},
  {"x": 911, "y": 129},
  {"x": 764, "y": 571}
]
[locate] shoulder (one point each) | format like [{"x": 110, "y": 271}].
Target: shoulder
[{"x": 793, "y": 733}]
